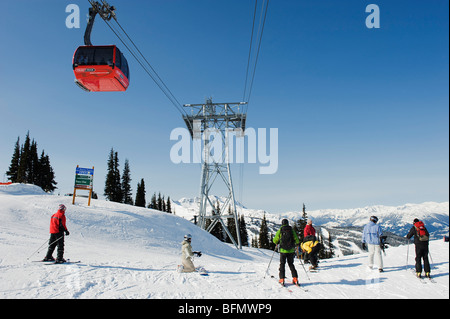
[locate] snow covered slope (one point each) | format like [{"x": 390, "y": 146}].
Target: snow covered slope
[{"x": 131, "y": 252}]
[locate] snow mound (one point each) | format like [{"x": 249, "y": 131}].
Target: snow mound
[{"x": 21, "y": 189}]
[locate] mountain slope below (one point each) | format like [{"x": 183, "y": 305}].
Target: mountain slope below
[{"x": 131, "y": 252}]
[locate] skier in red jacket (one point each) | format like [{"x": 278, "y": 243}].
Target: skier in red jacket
[
  {"x": 309, "y": 229},
  {"x": 57, "y": 230}
]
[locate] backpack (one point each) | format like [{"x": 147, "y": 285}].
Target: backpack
[
  {"x": 287, "y": 241},
  {"x": 421, "y": 231}
]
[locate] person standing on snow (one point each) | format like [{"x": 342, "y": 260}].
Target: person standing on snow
[
  {"x": 371, "y": 236},
  {"x": 288, "y": 239},
  {"x": 309, "y": 229},
  {"x": 187, "y": 254},
  {"x": 57, "y": 230},
  {"x": 421, "y": 240}
]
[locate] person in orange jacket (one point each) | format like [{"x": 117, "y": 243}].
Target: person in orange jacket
[{"x": 57, "y": 230}]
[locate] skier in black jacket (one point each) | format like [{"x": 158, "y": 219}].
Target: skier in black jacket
[{"x": 421, "y": 239}]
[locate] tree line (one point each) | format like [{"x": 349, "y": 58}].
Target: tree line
[
  {"x": 27, "y": 167},
  {"x": 220, "y": 233},
  {"x": 118, "y": 188}
]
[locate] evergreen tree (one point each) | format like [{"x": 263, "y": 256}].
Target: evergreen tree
[
  {"x": 163, "y": 203},
  {"x": 243, "y": 231},
  {"x": 153, "y": 204},
  {"x": 264, "y": 234},
  {"x": 113, "y": 188},
  {"x": 126, "y": 187},
  {"x": 255, "y": 241},
  {"x": 140, "y": 194},
  {"x": 14, "y": 166},
  {"x": 168, "y": 206},
  {"x": 231, "y": 225},
  {"x": 46, "y": 176},
  {"x": 159, "y": 205},
  {"x": 33, "y": 169},
  {"x": 301, "y": 224},
  {"x": 25, "y": 161},
  {"x": 217, "y": 229},
  {"x": 26, "y": 167}
]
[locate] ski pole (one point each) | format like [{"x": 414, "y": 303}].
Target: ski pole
[
  {"x": 306, "y": 273},
  {"x": 431, "y": 258},
  {"x": 407, "y": 254},
  {"x": 43, "y": 245},
  {"x": 270, "y": 261},
  {"x": 301, "y": 263},
  {"x": 38, "y": 249}
]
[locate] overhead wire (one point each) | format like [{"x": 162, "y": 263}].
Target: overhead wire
[
  {"x": 143, "y": 62},
  {"x": 252, "y": 69},
  {"x": 259, "y": 35}
]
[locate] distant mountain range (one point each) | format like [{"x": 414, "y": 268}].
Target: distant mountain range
[{"x": 344, "y": 225}]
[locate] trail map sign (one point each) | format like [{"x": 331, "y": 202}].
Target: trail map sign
[{"x": 84, "y": 178}]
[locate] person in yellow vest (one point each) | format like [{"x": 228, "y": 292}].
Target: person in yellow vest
[{"x": 311, "y": 246}]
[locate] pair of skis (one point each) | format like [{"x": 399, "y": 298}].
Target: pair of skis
[
  {"x": 424, "y": 280},
  {"x": 289, "y": 285},
  {"x": 54, "y": 262}
]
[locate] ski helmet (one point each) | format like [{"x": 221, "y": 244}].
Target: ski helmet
[
  {"x": 374, "y": 219},
  {"x": 62, "y": 207},
  {"x": 284, "y": 222},
  {"x": 188, "y": 237}
]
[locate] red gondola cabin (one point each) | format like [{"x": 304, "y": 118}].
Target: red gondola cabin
[{"x": 100, "y": 68}]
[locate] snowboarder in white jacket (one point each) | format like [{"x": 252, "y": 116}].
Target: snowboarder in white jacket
[
  {"x": 371, "y": 239},
  {"x": 187, "y": 254}
]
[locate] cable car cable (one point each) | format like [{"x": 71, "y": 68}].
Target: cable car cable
[
  {"x": 261, "y": 31},
  {"x": 142, "y": 61},
  {"x": 162, "y": 86}
]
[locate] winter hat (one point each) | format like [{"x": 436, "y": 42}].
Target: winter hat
[
  {"x": 188, "y": 236},
  {"x": 416, "y": 220},
  {"x": 284, "y": 222},
  {"x": 62, "y": 207}
]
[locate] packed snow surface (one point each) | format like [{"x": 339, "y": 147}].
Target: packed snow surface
[{"x": 131, "y": 252}]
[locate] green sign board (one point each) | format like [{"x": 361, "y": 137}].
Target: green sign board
[{"x": 83, "y": 180}]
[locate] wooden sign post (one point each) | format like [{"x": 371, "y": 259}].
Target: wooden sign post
[{"x": 84, "y": 178}]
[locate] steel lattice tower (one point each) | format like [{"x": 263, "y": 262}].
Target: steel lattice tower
[{"x": 216, "y": 120}]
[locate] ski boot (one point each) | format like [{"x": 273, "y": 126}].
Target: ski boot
[{"x": 295, "y": 281}]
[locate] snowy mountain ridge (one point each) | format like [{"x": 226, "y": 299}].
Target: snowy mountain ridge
[{"x": 395, "y": 219}]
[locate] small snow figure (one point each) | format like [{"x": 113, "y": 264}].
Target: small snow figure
[
  {"x": 187, "y": 254},
  {"x": 57, "y": 230}
]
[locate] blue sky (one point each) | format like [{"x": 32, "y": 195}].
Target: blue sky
[{"x": 362, "y": 114}]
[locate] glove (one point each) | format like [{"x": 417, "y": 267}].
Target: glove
[
  {"x": 67, "y": 232},
  {"x": 198, "y": 253},
  {"x": 364, "y": 246}
]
